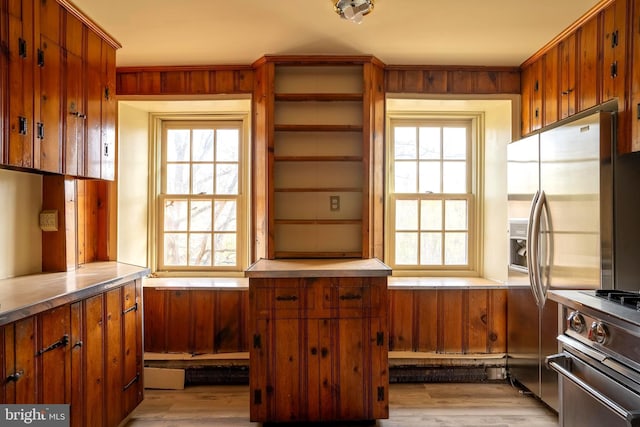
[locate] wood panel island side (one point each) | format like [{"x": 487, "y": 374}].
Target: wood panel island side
[{"x": 318, "y": 331}]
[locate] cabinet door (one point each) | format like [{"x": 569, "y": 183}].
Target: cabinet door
[
  {"x": 87, "y": 362},
  {"x": 113, "y": 352},
  {"x": 532, "y": 97},
  {"x": 108, "y": 123},
  {"x": 568, "y": 76},
  {"x": 352, "y": 370},
  {"x": 551, "y": 85},
  {"x": 589, "y": 67},
  {"x": 93, "y": 139},
  {"x": 75, "y": 110},
  {"x": 614, "y": 50},
  {"x": 21, "y": 54},
  {"x": 20, "y": 361},
  {"x": 132, "y": 350},
  {"x": 48, "y": 101},
  {"x": 320, "y": 359},
  {"x": 53, "y": 355},
  {"x": 635, "y": 78}
]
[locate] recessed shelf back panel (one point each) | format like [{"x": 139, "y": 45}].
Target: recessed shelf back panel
[
  {"x": 318, "y": 238},
  {"x": 317, "y": 205},
  {"x": 315, "y": 113},
  {"x": 319, "y": 79},
  {"x": 318, "y": 144},
  {"x": 319, "y": 175}
]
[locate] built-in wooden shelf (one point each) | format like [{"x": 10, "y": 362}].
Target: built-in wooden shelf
[
  {"x": 311, "y": 255},
  {"x": 318, "y": 221},
  {"x": 318, "y": 128},
  {"x": 318, "y": 158},
  {"x": 318, "y": 97},
  {"x": 319, "y": 190}
]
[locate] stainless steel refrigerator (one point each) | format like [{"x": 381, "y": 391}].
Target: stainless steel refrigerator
[{"x": 560, "y": 207}]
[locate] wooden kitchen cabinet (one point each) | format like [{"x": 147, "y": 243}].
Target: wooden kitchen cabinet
[
  {"x": 319, "y": 129},
  {"x": 532, "y": 97},
  {"x": 19, "y": 357},
  {"x": 568, "y": 83},
  {"x": 101, "y": 109},
  {"x": 45, "y": 44},
  {"x": 551, "y": 89},
  {"x": 19, "y": 75},
  {"x": 319, "y": 346},
  {"x": 589, "y": 68}
]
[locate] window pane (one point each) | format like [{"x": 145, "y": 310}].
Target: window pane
[
  {"x": 404, "y": 139},
  {"x": 225, "y": 215},
  {"x": 200, "y": 249},
  {"x": 225, "y": 249},
  {"x": 405, "y": 177},
  {"x": 431, "y": 248},
  {"x": 455, "y": 252},
  {"x": 227, "y": 145},
  {"x": 177, "y": 178},
  {"x": 430, "y": 143},
  {"x": 431, "y": 215},
  {"x": 406, "y": 214},
  {"x": 175, "y": 249},
  {"x": 178, "y": 145},
  {"x": 454, "y": 143},
  {"x": 203, "y": 145},
  {"x": 200, "y": 216},
  {"x": 407, "y": 248},
  {"x": 455, "y": 215},
  {"x": 203, "y": 178},
  {"x": 226, "y": 179},
  {"x": 175, "y": 215},
  {"x": 454, "y": 177},
  {"x": 429, "y": 177}
]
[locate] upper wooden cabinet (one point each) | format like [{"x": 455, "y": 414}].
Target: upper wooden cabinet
[
  {"x": 589, "y": 64},
  {"x": 45, "y": 73},
  {"x": 318, "y": 132},
  {"x": 532, "y": 97}
]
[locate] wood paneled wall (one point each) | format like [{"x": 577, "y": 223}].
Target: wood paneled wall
[
  {"x": 195, "y": 321},
  {"x": 206, "y": 80},
  {"x": 452, "y": 80},
  {"x": 465, "y": 321},
  {"x": 230, "y": 79},
  {"x": 448, "y": 321}
]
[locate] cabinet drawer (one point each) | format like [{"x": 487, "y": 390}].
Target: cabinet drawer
[
  {"x": 352, "y": 297},
  {"x": 282, "y": 300}
]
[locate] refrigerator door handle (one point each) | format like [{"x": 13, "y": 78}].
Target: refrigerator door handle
[
  {"x": 531, "y": 252},
  {"x": 535, "y": 246}
]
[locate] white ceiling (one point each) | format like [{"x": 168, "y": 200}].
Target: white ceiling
[{"x": 398, "y": 32}]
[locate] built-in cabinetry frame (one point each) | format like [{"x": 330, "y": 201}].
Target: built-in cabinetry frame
[
  {"x": 318, "y": 157},
  {"x": 85, "y": 351}
]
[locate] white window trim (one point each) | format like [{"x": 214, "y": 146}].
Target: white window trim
[
  {"x": 476, "y": 238},
  {"x": 244, "y": 210}
]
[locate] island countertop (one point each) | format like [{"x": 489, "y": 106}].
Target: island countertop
[
  {"x": 31, "y": 294},
  {"x": 268, "y": 268}
]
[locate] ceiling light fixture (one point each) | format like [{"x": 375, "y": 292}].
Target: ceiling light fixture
[{"x": 353, "y": 10}]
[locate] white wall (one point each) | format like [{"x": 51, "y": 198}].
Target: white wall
[
  {"x": 21, "y": 247},
  {"x": 133, "y": 187}
]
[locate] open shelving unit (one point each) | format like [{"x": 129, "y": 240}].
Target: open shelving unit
[{"x": 317, "y": 119}]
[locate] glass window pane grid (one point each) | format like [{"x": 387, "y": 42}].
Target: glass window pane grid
[{"x": 224, "y": 256}]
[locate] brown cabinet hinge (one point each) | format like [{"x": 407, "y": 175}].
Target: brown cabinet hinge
[
  {"x": 380, "y": 338},
  {"x": 257, "y": 341}
]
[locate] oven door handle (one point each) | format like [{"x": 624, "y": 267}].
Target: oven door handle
[{"x": 558, "y": 363}]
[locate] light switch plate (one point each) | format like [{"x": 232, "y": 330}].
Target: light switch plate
[{"x": 49, "y": 220}]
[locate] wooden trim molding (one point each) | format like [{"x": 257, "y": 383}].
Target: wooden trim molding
[{"x": 90, "y": 23}]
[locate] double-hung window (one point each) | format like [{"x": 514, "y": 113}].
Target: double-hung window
[
  {"x": 431, "y": 195},
  {"x": 201, "y": 197}
]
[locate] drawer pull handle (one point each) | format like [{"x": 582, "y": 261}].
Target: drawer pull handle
[
  {"x": 15, "y": 376},
  {"x": 132, "y": 382},
  {"x": 286, "y": 298},
  {"x": 60, "y": 343},
  {"x": 134, "y": 307},
  {"x": 350, "y": 296}
]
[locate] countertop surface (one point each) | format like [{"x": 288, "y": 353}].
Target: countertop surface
[
  {"x": 585, "y": 300},
  {"x": 31, "y": 294},
  {"x": 266, "y": 268}
]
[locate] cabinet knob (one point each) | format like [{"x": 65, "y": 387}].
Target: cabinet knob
[{"x": 15, "y": 376}]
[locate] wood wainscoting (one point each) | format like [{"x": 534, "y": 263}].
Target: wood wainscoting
[{"x": 439, "y": 320}]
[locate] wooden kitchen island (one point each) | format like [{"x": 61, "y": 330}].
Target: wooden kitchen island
[{"x": 318, "y": 340}]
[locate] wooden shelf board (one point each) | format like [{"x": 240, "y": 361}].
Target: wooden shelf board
[
  {"x": 318, "y": 158},
  {"x": 320, "y": 97},
  {"x": 319, "y": 190},
  {"x": 285, "y": 254},
  {"x": 319, "y": 221},
  {"x": 318, "y": 128}
]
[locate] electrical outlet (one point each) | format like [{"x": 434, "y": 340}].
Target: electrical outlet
[
  {"x": 49, "y": 220},
  {"x": 334, "y": 203}
]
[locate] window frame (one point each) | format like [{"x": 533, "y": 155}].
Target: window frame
[
  {"x": 473, "y": 196},
  {"x": 158, "y": 196}
]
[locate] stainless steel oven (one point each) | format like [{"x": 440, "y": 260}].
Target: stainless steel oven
[{"x": 599, "y": 365}]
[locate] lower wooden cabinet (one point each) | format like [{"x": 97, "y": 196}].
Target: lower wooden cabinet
[
  {"x": 87, "y": 354},
  {"x": 319, "y": 349}
]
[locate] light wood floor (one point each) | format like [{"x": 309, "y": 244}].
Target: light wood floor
[{"x": 411, "y": 405}]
